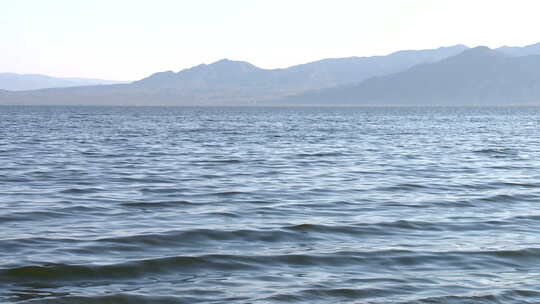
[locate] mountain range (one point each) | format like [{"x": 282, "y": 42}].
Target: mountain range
[
  {"x": 478, "y": 76},
  {"x": 443, "y": 76},
  {"x": 319, "y": 74},
  {"x": 25, "y": 82}
]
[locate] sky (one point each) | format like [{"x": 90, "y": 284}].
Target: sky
[{"x": 131, "y": 39}]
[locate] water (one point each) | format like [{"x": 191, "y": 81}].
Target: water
[{"x": 269, "y": 205}]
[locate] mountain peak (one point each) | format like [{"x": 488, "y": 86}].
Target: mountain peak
[
  {"x": 223, "y": 61},
  {"x": 478, "y": 53},
  {"x": 457, "y": 46},
  {"x": 232, "y": 63},
  {"x": 481, "y": 50},
  {"x": 532, "y": 49}
]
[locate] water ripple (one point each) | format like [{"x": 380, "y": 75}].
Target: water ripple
[{"x": 269, "y": 205}]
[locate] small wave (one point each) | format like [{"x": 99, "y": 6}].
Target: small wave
[
  {"x": 526, "y": 253},
  {"x": 509, "y": 198},
  {"x": 225, "y": 214},
  {"x": 354, "y": 231},
  {"x": 228, "y": 193},
  {"x": 308, "y": 295},
  {"x": 517, "y": 296},
  {"x": 379, "y": 228},
  {"x": 81, "y": 190},
  {"x": 32, "y": 216},
  {"x": 320, "y": 154},
  {"x": 389, "y": 259},
  {"x": 144, "y": 180},
  {"x": 504, "y": 185},
  {"x": 161, "y": 190},
  {"x": 163, "y": 204},
  {"x": 497, "y": 152},
  {"x": 343, "y": 292},
  {"x": 132, "y": 269},
  {"x": 219, "y": 161},
  {"x": 117, "y": 298},
  {"x": 402, "y": 187},
  {"x": 528, "y": 217},
  {"x": 203, "y": 235}
]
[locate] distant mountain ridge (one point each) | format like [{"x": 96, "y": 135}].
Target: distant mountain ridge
[
  {"x": 222, "y": 73},
  {"x": 314, "y": 75},
  {"x": 24, "y": 82},
  {"x": 478, "y": 76},
  {"x": 533, "y": 49},
  {"x": 227, "y": 74},
  {"x": 352, "y": 80},
  {"x": 228, "y": 82}
]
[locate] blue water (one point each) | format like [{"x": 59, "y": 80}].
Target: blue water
[{"x": 269, "y": 205}]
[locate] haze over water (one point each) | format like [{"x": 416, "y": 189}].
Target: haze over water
[{"x": 269, "y": 205}]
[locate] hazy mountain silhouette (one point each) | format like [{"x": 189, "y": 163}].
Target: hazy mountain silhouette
[
  {"x": 440, "y": 76},
  {"x": 228, "y": 74},
  {"x": 478, "y": 76},
  {"x": 533, "y": 49},
  {"x": 228, "y": 82},
  {"x": 23, "y": 82},
  {"x": 221, "y": 74}
]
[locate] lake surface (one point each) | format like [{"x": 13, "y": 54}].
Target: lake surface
[{"x": 269, "y": 205}]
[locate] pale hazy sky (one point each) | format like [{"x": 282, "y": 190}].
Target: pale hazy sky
[{"x": 130, "y": 39}]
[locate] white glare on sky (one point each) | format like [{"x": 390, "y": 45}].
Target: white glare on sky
[{"x": 130, "y": 39}]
